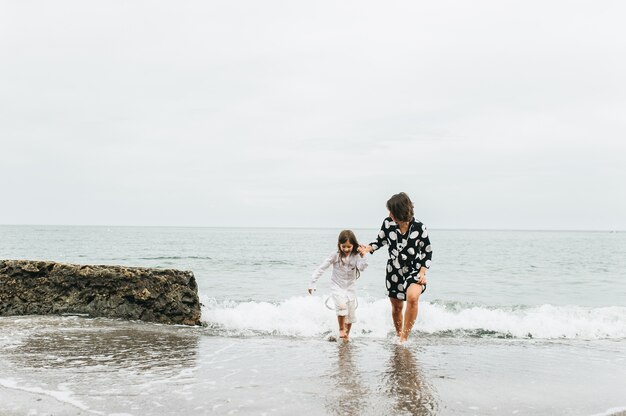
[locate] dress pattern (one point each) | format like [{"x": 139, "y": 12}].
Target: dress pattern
[{"x": 408, "y": 253}]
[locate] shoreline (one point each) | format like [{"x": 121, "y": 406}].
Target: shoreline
[{"x": 81, "y": 367}]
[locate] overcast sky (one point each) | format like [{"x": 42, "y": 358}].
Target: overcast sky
[{"x": 489, "y": 114}]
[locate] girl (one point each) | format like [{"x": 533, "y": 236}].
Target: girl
[
  {"x": 347, "y": 264},
  {"x": 410, "y": 255}
]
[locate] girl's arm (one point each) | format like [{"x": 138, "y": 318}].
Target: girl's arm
[
  {"x": 320, "y": 271},
  {"x": 361, "y": 262}
]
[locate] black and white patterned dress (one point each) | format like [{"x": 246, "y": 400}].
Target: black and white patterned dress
[{"x": 408, "y": 253}]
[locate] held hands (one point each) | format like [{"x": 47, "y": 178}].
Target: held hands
[{"x": 363, "y": 249}]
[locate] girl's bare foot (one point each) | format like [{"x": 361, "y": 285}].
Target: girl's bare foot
[{"x": 343, "y": 334}]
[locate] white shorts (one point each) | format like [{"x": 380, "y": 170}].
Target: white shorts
[{"x": 344, "y": 306}]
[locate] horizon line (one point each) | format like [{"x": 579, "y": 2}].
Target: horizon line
[{"x": 610, "y": 230}]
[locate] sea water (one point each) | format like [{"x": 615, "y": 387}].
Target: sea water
[{"x": 513, "y": 322}]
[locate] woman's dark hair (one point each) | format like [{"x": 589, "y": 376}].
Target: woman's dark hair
[
  {"x": 344, "y": 237},
  {"x": 401, "y": 207}
]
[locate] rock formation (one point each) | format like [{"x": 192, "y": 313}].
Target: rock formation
[{"x": 47, "y": 288}]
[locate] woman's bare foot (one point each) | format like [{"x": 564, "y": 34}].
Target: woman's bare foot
[{"x": 343, "y": 334}]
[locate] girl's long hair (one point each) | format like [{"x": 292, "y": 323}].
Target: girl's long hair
[{"x": 344, "y": 237}]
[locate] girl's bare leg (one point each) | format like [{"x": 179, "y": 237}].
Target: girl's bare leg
[
  {"x": 342, "y": 327},
  {"x": 410, "y": 314},
  {"x": 348, "y": 327}
]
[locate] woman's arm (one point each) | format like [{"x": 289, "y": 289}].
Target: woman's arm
[
  {"x": 426, "y": 248},
  {"x": 422, "y": 256},
  {"x": 381, "y": 238},
  {"x": 427, "y": 251}
]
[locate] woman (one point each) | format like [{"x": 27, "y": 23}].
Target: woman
[{"x": 410, "y": 256}]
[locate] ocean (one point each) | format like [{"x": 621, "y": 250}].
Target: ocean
[{"x": 513, "y": 322}]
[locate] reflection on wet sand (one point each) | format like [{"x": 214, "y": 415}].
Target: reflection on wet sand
[
  {"x": 351, "y": 394},
  {"x": 405, "y": 383},
  {"x": 108, "y": 345}
]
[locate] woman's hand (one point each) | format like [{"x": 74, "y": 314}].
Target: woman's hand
[
  {"x": 363, "y": 250},
  {"x": 422, "y": 278}
]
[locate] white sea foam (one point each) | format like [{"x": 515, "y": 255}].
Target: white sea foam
[
  {"x": 308, "y": 317},
  {"x": 615, "y": 411},
  {"x": 63, "y": 395}
]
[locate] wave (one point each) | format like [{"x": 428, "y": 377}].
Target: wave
[
  {"x": 308, "y": 317},
  {"x": 175, "y": 258},
  {"x": 231, "y": 263},
  {"x": 163, "y": 258},
  {"x": 615, "y": 411}
]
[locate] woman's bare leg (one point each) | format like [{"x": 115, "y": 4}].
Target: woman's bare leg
[
  {"x": 396, "y": 314},
  {"x": 410, "y": 314}
]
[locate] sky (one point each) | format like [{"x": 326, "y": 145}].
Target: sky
[{"x": 489, "y": 114}]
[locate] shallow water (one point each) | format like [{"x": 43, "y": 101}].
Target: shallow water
[
  {"x": 100, "y": 366},
  {"x": 512, "y": 323},
  {"x": 273, "y": 264}
]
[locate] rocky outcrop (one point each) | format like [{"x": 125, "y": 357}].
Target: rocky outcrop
[{"x": 47, "y": 288}]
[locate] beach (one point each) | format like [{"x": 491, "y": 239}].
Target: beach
[
  {"x": 235, "y": 142},
  {"x": 504, "y": 345},
  {"x": 97, "y": 366}
]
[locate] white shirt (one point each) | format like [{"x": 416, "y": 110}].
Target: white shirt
[{"x": 344, "y": 274}]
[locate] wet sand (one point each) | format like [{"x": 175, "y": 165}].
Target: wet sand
[{"x": 76, "y": 366}]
